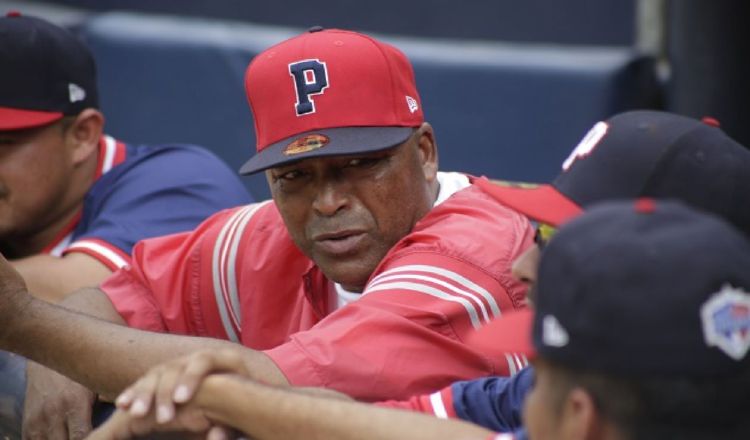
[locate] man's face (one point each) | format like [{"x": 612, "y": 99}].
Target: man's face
[
  {"x": 525, "y": 267},
  {"x": 35, "y": 171},
  {"x": 346, "y": 212},
  {"x": 541, "y": 415}
]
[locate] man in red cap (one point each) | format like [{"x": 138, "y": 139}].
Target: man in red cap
[{"x": 363, "y": 274}]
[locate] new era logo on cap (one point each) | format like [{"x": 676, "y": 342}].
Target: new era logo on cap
[
  {"x": 76, "y": 93},
  {"x": 412, "y": 103},
  {"x": 553, "y": 333}
]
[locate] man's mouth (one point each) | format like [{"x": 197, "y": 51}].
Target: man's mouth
[{"x": 339, "y": 243}]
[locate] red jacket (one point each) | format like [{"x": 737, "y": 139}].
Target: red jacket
[{"x": 238, "y": 276}]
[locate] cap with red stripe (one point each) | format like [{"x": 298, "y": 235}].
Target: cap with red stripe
[
  {"x": 329, "y": 92},
  {"x": 645, "y": 288},
  {"x": 642, "y": 154},
  {"x": 47, "y": 73}
]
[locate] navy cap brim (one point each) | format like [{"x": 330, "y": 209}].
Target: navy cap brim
[{"x": 337, "y": 142}]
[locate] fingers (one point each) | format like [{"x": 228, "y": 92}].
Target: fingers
[
  {"x": 123, "y": 425},
  {"x": 78, "y": 421},
  {"x": 55, "y": 407},
  {"x": 201, "y": 365},
  {"x": 138, "y": 397},
  {"x": 177, "y": 381},
  {"x": 115, "y": 428},
  {"x": 218, "y": 433}
]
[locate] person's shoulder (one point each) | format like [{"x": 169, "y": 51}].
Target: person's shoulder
[
  {"x": 180, "y": 155},
  {"x": 472, "y": 212},
  {"x": 173, "y": 169},
  {"x": 468, "y": 228},
  {"x": 259, "y": 216}
]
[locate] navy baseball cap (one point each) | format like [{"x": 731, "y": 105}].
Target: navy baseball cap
[
  {"x": 46, "y": 73},
  {"x": 642, "y": 154},
  {"x": 644, "y": 288}
]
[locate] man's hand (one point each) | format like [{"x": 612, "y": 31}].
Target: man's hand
[
  {"x": 176, "y": 381},
  {"x": 55, "y": 406}
]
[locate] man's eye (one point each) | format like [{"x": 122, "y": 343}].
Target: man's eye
[
  {"x": 362, "y": 162},
  {"x": 290, "y": 175}
]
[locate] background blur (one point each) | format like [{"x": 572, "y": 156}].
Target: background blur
[{"x": 510, "y": 86}]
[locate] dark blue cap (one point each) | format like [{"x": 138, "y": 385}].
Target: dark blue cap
[
  {"x": 46, "y": 73},
  {"x": 643, "y": 154},
  {"x": 644, "y": 289},
  {"x": 651, "y": 289}
]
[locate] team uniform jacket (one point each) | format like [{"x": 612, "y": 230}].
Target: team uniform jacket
[
  {"x": 146, "y": 191},
  {"x": 238, "y": 276},
  {"x": 494, "y": 402}
]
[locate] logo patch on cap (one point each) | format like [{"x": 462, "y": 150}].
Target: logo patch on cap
[
  {"x": 412, "y": 103},
  {"x": 310, "y": 78},
  {"x": 307, "y": 143},
  {"x": 76, "y": 93},
  {"x": 553, "y": 333},
  {"x": 587, "y": 144},
  {"x": 726, "y": 321}
]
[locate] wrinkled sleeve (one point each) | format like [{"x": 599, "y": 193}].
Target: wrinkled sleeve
[
  {"x": 405, "y": 336},
  {"x": 168, "y": 286}
]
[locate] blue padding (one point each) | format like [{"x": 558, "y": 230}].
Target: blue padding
[{"x": 507, "y": 111}]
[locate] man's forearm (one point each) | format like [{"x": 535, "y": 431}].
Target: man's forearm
[
  {"x": 99, "y": 352},
  {"x": 270, "y": 413}
]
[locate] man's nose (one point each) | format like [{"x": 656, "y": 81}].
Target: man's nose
[
  {"x": 331, "y": 196},
  {"x": 525, "y": 266}
]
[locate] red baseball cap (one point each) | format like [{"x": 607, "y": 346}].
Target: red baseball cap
[
  {"x": 510, "y": 333},
  {"x": 47, "y": 73},
  {"x": 329, "y": 92}
]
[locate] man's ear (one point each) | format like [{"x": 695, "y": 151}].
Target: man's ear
[
  {"x": 83, "y": 134},
  {"x": 428, "y": 154},
  {"x": 581, "y": 420}
]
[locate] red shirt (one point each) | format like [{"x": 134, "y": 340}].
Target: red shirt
[{"x": 238, "y": 276}]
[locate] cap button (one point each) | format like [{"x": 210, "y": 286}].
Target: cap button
[
  {"x": 13, "y": 14},
  {"x": 645, "y": 205},
  {"x": 315, "y": 29},
  {"x": 708, "y": 120}
]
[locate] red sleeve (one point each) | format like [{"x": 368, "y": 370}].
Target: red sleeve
[
  {"x": 168, "y": 286},
  {"x": 439, "y": 403},
  {"x": 133, "y": 301},
  {"x": 405, "y": 336}
]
